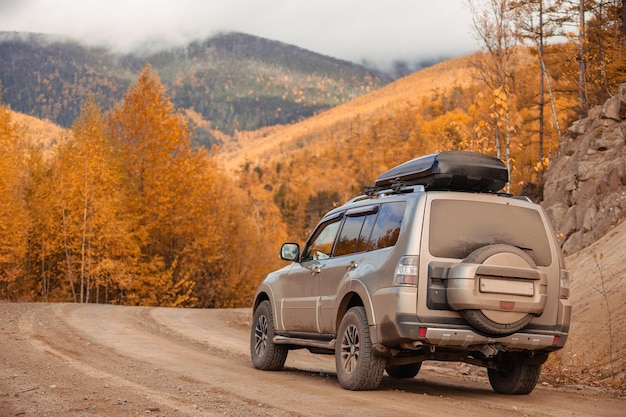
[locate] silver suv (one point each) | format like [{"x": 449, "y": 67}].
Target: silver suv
[{"x": 432, "y": 263}]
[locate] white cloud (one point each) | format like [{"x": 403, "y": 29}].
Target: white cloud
[{"x": 377, "y": 31}]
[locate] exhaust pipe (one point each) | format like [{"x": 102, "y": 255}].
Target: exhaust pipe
[{"x": 415, "y": 345}]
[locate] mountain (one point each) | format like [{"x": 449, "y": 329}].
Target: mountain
[
  {"x": 315, "y": 133},
  {"x": 306, "y": 168},
  {"x": 233, "y": 81}
]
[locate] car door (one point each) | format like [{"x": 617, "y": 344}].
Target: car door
[
  {"x": 350, "y": 246},
  {"x": 300, "y": 289}
]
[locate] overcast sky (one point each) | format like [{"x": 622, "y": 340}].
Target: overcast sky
[{"x": 378, "y": 31}]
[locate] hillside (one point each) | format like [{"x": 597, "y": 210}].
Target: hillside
[
  {"x": 585, "y": 196},
  {"x": 258, "y": 147},
  {"x": 39, "y": 132},
  {"x": 595, "y": 353},
  {"x": 311, "y": 166},
  {"x": 234, "y": 81}
]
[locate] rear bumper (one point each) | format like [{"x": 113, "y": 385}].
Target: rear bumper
[
  {"x": 466, "y": 339},
  {"x": 408, "y": 331}
]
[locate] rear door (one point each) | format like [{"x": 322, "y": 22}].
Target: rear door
[
  {"x": 351, "y": 244},
  {"x": 459, "y": 224}
]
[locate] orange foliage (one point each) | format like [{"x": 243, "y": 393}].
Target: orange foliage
[
  {"x": 14, "y": 220},
  {"x": 344, "y": 149},
  {"x": 128, "y": 212}
]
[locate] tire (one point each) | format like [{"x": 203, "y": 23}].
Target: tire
[
  {"x": 407, "y": 371},
  {"x": 358, "y": 366},
  {"x": 266, "y": 355},
  {"x": 477, "y": 318},
  {"x": 515, "y": 379}
]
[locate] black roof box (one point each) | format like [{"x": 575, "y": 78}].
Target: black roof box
[{"x": 449, "y": 170}]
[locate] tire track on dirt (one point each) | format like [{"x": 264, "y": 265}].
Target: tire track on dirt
[
  {"x": 116, "y": 352},
  {"x": 45, "y": 336}
]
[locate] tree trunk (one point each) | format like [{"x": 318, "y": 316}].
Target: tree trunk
[
  {"x": 541, "y": 93},
  {"x": 582, "y": 66}
]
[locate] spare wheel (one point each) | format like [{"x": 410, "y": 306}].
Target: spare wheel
[{"x": 497, "y": 322}]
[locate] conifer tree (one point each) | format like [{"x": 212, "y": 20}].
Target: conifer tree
[{"x": 157, "y": 160}]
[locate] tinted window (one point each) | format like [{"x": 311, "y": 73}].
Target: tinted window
[
  {"x": 321, "y": 244},
  {"x": 387, "y": 227},
  {"x": 349, "y": 235},
  {"x": 355, "y": 232},
  {"x": 366, "y": 231},
  {"x": 457, "y": 228}
]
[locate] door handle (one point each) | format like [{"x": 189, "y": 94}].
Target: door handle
[
  {"x": 316, "y": 269},
  {"x": 352, "y": 265}
]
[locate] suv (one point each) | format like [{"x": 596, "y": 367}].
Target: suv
[{"x": 432, "y": 263}]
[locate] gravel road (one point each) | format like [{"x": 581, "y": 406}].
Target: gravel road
[{"x": 90, "y": 360}]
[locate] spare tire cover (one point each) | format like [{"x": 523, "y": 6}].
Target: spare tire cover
[{"x": 491, "y": 322}]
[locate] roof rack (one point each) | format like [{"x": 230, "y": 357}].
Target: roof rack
[{"x": 399, "y": 187}]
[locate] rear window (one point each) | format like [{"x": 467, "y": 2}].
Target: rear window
[{"x": 458, "y": 227}]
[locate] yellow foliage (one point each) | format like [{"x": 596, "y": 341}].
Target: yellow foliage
[
  {"x": 14, "y": 219},
  {"x": 198, "y": 232},
  {"x": 439, "y": 108}
]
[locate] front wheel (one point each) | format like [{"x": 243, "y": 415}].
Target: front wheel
[
  {"x": 514, "y": 378},
  {"x": 358, "y": 366},
  {"x": 266, "y": 355}
]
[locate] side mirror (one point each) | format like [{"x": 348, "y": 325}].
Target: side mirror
[{"x": 290, "y": 252}]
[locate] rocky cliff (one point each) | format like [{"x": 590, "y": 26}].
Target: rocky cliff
[{"x": 585, "y": 188}]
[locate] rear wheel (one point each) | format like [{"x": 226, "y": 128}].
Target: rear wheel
[
  {"x": 358, "y": 366},
  {"x": 404, "y": 371},
  {"x": 265, "y": 354},
  {"x": 514, "y": 378}
]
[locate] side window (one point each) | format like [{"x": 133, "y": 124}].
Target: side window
[
  {"x": 356, "y": 230},
  {"x": 366, "y": 231},
  {"x": 387, "y": 227},
  {"x": 321, "y": 243}
]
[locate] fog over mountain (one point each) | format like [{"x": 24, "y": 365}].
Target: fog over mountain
[{"x": 380, "y": 34}]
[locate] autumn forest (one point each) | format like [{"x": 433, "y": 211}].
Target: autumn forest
[{"x": 129, "y": 207}]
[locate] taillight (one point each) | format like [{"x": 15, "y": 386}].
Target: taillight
[
  {"x": 406, "y": 271},
  {"x": 564, "y": 284}
]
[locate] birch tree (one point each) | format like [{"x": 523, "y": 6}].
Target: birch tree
[
  {"x": 14, "y": 219},
  {"x": 493, "y": 24},
  {"x": 95, "y": 229}
]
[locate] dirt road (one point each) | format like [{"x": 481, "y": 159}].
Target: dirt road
[{"x": 99, "y": 360}]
